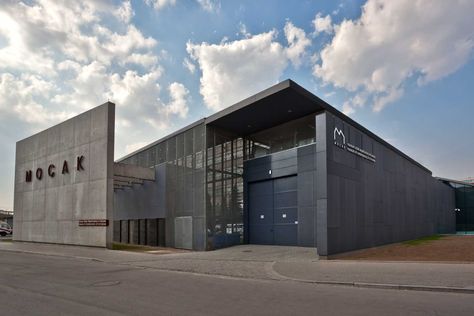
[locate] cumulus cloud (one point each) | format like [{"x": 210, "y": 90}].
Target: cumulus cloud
[
  {"x": 298, "y": 43},
  {"x": 145, "y": 60},
  {"x": 160, "y": 4},
  {"x": 322, "y": 24},
  {"x": 60, "y": 58},
  {"x": 21, "y": 97},
  {"x": 189, "y": 65},
  {"x": 39, "y": 34},
  {"x": 178, "y": 100},
  {"x": 130, "y": 148},
  {"x": 393, "y": 41},
  {"x": 232, "y": 71},
  {"x": 125, "y": 12},
  {"x": 210, "y": 5}
]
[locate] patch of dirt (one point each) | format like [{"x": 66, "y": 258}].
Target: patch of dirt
[
  {"x": 448, "y": 248},
  {"x": 165, "y": 251},
  {"x": 148, "y": 249}
]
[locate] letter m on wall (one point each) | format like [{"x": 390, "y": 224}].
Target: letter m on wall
[{"x": 29, "y": 174}]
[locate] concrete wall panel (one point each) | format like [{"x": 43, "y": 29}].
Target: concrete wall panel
[
  {"x": 299, "y": 161},
  {"x": 49, "y": 209},
  {"x": 375, "y": 203}
]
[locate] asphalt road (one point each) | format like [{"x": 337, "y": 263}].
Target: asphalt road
[{"x": 33, "y": 284}]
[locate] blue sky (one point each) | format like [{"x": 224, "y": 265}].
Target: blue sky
[{"x": 403, "y": 69}]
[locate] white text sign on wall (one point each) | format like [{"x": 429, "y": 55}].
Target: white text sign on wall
[{"x": 340, "y": 141}]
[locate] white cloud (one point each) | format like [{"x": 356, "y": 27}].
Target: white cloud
[
  {"x": 189, "y": 65},
  {"x": 243, "y": 30},
  {"x": 39, "y": 34},
  {"x": 297, "y": 41},
  {"x": 130, "y": 148},
  {"x": 207, "y": 5},
  {"x": 234, "y": 70},
  {"x": 322, "y": 24},
  {"x": 210, "y": 5},
  {"x": 358, "y": 101},
  {"x": 60, "y": 58},
  {"x": 160, "y": 4},
  {"x": 22, "y": 96},
  {"x": 178, "y": 100},
  {"x": 145, "y": 60},
  {"x": 394, "y": 41},
  {"x": 125, "y": 12}
]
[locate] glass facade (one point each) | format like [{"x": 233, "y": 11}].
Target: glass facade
[
  {"x": 292, "y": 134},
  {"x": 183, "y": 155},
  {"x": 464, "y": 195},
  {"x": 224, "y": 188},
  {"x": 204, "y": 176},
  {"x": 226, "y": 154}
]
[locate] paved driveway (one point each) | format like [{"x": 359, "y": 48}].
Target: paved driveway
[
  {"x": 274, "y": 263},
  {"x": 39, "y": 284}
]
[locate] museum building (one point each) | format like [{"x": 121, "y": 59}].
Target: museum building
[{"x": 281, "y": 167}]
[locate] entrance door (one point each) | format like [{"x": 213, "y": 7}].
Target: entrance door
[{"x": 273, "y": 213}]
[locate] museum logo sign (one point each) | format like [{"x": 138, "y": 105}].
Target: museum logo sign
[
  {"x": 340, "y": 141},
  {"x": 51, "y": 171}
]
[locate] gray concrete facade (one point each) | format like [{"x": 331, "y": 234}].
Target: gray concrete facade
[
  {"x": 347, "y": 201},
  {"x": 147, "y": 200},
  {"x": 361, "y": 203},
  {"x": 178, "y": 194},
  {"x": 297, "y": 161},
  {"x": 353, "y": 189},
  {"x": 64, "y": 175}
]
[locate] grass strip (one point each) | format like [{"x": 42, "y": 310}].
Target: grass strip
[{"x": 422, "y": 240}]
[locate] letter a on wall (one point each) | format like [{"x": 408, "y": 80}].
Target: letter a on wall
[{"x": 65, "y": 168}]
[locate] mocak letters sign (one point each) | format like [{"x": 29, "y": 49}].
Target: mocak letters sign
[{"x": 51, "y": 171}]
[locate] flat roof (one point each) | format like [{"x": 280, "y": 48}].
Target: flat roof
[
  {"x": 280, "y": 103},
  {"x": 455, "y": 181}
]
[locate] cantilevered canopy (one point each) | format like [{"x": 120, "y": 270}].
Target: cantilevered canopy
[
  {"x": 278, "y": 104},
  {"x": 281, "y": 103}
]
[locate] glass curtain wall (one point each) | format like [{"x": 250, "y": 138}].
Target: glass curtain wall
[
  {"x": 289, "y": 135},
  {"x": 226, "y": 154},
  {"x": 185, "y": 179},
  {"x": 464, "y": 195},
  {"x": 224, "y": 188},
  {"x": 210, "y": 187}
]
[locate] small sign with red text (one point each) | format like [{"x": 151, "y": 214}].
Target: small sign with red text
[{"x": 93, "y": 222}]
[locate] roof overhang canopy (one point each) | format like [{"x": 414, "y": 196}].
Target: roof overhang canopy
[{"x": 281, "y": 103}]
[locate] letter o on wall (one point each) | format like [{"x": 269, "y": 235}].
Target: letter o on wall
[{"x": 39, "y": 173}]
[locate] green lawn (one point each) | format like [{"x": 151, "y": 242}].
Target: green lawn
[{"x": 422, "y": 240}]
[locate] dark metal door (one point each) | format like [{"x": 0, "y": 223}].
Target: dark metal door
[
  {"x": 273, "y": 213},
  {"x": 285, "y": 211},
  {"x": 261, "y": 213}
]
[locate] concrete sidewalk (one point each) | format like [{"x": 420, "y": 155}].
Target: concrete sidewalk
[
  {"x": 277, "y": 263},
  {"x": 404, "y": 275}
]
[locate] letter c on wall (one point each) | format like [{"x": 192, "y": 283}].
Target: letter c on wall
[{"x": 51, "y": 172}]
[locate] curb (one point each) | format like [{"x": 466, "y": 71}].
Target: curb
[
  {"x": 384, "y": 286},
  {"x": 51, "y": 254}
]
